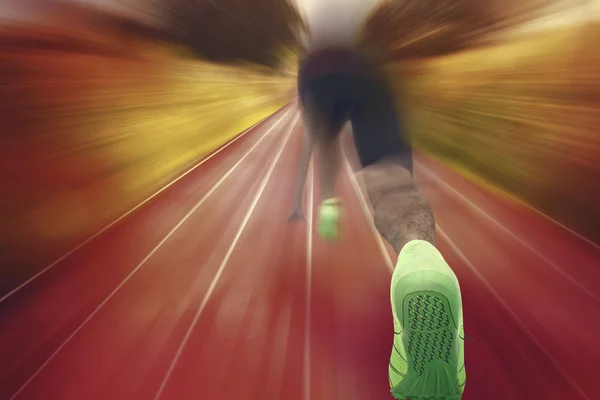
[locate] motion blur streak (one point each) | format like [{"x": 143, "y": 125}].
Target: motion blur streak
[
  {"x": 92, "y": 124},
  {"x": 144, "y": 246}
]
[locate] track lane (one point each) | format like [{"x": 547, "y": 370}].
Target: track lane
[
  {"x": 352, "y": 324},
  {"x": 552, "y": 243},
  {"x": 231, "y": 146},
  {"x": 98, "y": 284},
  {"x": 548, "y": 315},
  {"x": 546, "y": 324},
  {"x": 247, "y": 340}
]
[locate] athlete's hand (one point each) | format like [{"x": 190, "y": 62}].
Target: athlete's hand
[{"x": 297, "y": 215}]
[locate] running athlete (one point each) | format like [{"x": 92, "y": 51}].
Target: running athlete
[{"x": 336, "y": 84}]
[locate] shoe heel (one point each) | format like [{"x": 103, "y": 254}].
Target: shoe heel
[{"x": 436, "y": 383}]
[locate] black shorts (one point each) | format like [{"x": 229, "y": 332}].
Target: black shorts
[{"x": 367, "y": 101}]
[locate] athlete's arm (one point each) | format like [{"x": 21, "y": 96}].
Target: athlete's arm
[{"x": 305, "y": 155}]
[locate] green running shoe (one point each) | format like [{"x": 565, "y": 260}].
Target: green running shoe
[
  {"x": 329, "y": 217},
  {"x": 427, "y": 361}
]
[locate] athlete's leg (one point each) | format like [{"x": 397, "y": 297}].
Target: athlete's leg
[
  {"x": 329, "y": 158},
  {"x": 306, "y": 149},
  {"x": 322, "y": 125},
  {"x": 328, "y": 153},
  {"x": 324, "y": 112},
  {"x": 401, "y": 213},
  {"x": 427, "y": 357}
]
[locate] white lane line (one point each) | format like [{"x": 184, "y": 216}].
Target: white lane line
[
  {"x": 308, "y": 283},
  {"x": 225, "y": 260},
  {"x": 116, "y": 221},
  {"x": 508, "y": 232},
  {"x": 367, "y": 212},
  {"x": 549, "y": 218},
  {"x": 521, "y": 324},
  {"x": 143, "y": 262}
]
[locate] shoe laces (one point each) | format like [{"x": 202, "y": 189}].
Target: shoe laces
[{"x": 465, "y": 336}]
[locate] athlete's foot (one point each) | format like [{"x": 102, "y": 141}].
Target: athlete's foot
[
  {"x": 296, "y": 215},
  {"x": 329, "y": 218},
  {"x": 427, "y": 361}
]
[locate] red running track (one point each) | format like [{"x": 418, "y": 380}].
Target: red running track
[{"x": 207, "y": 292}]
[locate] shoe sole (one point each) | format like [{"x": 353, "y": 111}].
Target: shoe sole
[{"x": 427, "y": 305}]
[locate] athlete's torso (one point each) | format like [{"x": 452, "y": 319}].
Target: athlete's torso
[
  {"x": 330, "y": 61},
  {"x": 334, "y": 28}
]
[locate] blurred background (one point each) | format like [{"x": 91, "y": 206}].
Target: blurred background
[{"x": 103, "y": 101}]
